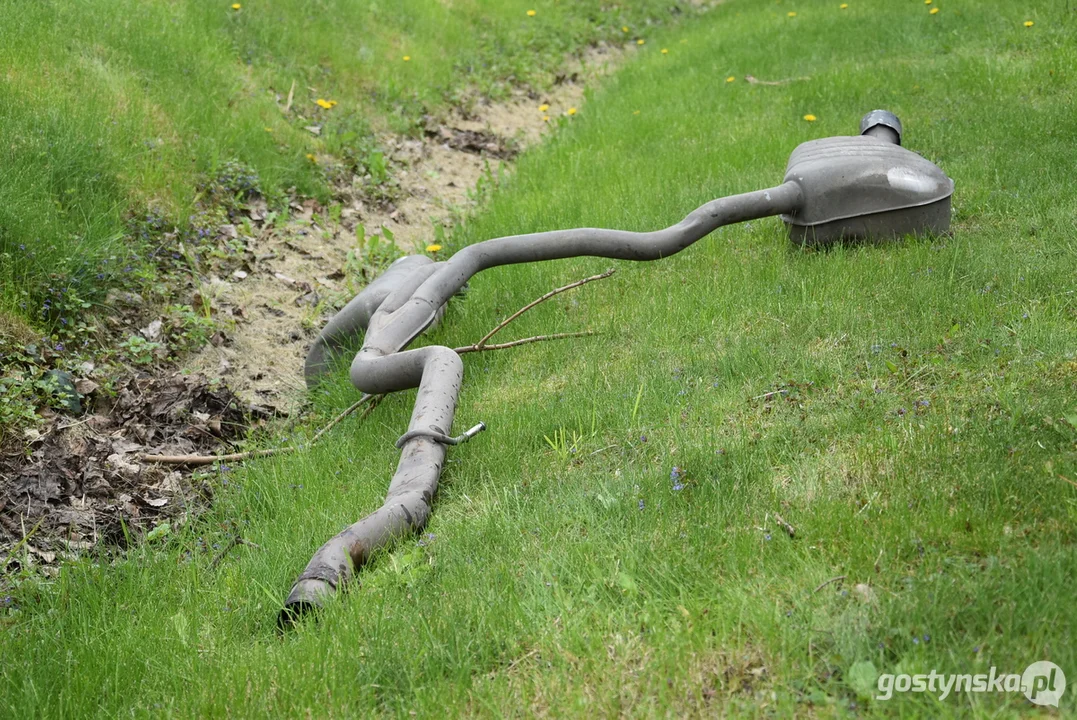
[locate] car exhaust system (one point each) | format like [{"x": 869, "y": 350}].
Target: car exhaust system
[{"x": 834, "y": 189}]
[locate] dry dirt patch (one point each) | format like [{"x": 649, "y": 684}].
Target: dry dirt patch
[{"x": 299, "y": 273}]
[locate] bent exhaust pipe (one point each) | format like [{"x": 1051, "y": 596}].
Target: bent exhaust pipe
[{"x": 838, "y": 188}]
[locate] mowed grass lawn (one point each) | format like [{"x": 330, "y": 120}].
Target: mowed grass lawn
[{"x": 922, "y": 445}]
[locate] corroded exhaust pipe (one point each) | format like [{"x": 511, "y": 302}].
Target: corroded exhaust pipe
[{"x": 835, "y": 188}]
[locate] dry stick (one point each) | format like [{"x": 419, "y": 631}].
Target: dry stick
[
  {"x": 601, "y": 276},
  {"x": 291, "y": 94},
  {"x": 236, "y": 457},
  {"x": 480, "y": 346},
  {"x": 785, "y": 526},
  {"x": 824, "y": 584},
  {"x": 236, "y": 540},
  {"x": 771, "y": 394},
  {"x": 25, "y": 539},
  {"x": 516, "y": 343}
]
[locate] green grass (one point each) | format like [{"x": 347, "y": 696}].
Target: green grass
[
  {"x": 917, "y": 450},
  {"x": 112, "y": 108}
]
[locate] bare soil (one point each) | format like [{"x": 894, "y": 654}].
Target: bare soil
[{"x": 281, "y": 303}]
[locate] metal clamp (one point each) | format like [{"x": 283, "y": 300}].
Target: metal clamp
[{"x": 441, "y": 437}]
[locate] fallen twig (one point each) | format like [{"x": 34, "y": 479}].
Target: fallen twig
[
  {"x": 509, "y": 668},
  {"x": 831, "y": 580},
  {"x": 601, "y": 276},
  {"x": 291, "y": 94},
  {"x": 524, "y": 341},
  {"x": 785, "y": 526},
  {"x": 756, "y": 81},
  {"x": 195, "y": 460},
  {"x": 236, "y": 540},
  {"x": 25, "y": 539}
]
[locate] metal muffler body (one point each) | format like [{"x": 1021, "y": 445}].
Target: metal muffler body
[
  {"x": 861, "y": 188},
  {"x": 866, "y": 187}
]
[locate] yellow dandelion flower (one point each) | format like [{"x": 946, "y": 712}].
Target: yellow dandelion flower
[
  {"x": 324, "y": 104},
  {"x": 624, "y": 28},
  {"x": 545, "y": 118},
  {"x": 640, "y": 41},
  {"x": 1029, "y": 23},
  {"x": 665, "y": 51},
  {"x": 433, "y": 248},
  {"x": 407, "y": 58},
  {"x": 530, "y": 13},
  {"x": 843, "y": 6},
  {"x": 810, "y": 118},
  {"x": 570, "y": 111},
  {"x": 927, "y": 2},
  {"x": 236, "y": 6},
  {"x": 543, "y": 107},
  {"x": 791, "y": 14},
  {"x": 933, "y": 11},
  {"x": 310, "y": 157},
  {"x": 730, "y": 79}
]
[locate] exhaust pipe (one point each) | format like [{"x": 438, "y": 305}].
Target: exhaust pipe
[{"x": 839, "y": 188}]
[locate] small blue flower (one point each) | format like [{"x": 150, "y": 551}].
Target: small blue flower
[
  {"x": 641, "y": 503},
  {"x": 916, "y": 641},
  {"x": 767, "y": 537}
]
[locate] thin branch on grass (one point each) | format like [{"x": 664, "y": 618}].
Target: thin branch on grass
[
  {"x": 822, "y": 585},
  {"x": 601, "y": 276},
  {"x": 771, "y": 394},
  {"x": 512, "y": 665},
  {"x": 291, "y": 94},
  {"x": 785, "y": 526},
  {"x": 524, "y": 341},
  {"x": 756, "y": 81},
  {"x": 195, "y": 460},
  {"x": 480, "y": 346},
  {"x": 236, "y": 540},
  {"x": 25, "y": 539}
]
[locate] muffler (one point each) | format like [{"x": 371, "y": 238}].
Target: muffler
[{"x": 864, "y": 187}]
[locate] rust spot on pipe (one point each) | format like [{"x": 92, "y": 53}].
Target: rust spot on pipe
[{"x": 358, "y": 553}]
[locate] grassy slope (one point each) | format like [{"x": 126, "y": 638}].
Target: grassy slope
[
  {"x": 545, "y": 585},
  {"x": 113, "y": 106}
]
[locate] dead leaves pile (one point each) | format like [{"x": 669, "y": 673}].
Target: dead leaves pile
[{"x": 82, "y": 483}]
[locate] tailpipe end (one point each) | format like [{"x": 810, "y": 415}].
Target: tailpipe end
[
  {"x": 882, "y": 124},
  {"x": 307, "y": 596}
]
